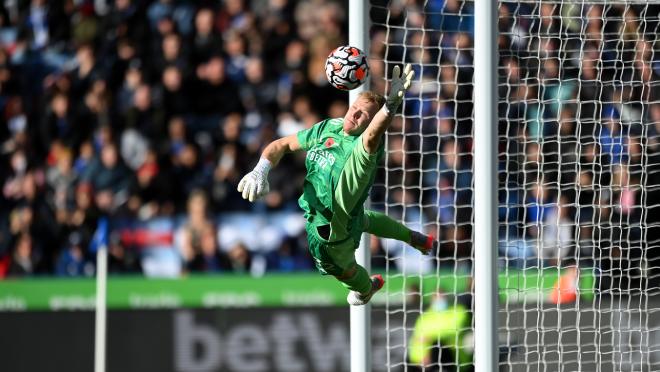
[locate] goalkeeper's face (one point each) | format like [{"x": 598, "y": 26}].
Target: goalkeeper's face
[{"x": 359, "y": 116}]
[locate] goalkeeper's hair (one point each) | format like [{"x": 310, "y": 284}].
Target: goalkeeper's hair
[{"x": 372, "y": 97}]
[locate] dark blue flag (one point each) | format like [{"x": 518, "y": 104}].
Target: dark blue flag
[{"x": 100, "y": 238}]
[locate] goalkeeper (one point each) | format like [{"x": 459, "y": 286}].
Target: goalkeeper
[{"x": 342, "y": 158}]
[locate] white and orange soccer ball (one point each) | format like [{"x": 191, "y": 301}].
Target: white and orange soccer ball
[{"x": 347, "y": 67}]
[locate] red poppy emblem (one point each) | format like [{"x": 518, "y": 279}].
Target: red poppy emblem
[{"x": 329, "y": 143}]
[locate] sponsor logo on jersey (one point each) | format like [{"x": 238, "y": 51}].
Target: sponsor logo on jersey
[{"x": 321, "y": 157}]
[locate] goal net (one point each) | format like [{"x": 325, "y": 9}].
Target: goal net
[{"x": 579, "y": 117}]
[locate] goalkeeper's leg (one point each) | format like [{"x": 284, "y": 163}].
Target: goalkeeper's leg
[
  {"x": 354, "y": 182},
  {"x": 338, "y": 259},
  {"x": 385, "y": 227}
]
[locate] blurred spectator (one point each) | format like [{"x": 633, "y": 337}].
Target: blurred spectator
[
  {"x": 133, "y": 147},
  {"x": 144, "y": 116},
  {"x": 133, "y": 76},
  {"x": 60, "y": 125},
  {"x": 109, "y": 178},
  {"x": 199, "y": 246},
  {"x": 231, "y": 165},
  {"x": 189, "y": 172},
  {"x": 172, "y": 55},
  {"x": 120, "y": 259},
  {"x": 212, "y": 86},
  {"x": 240, "y": 258},
  {"x": 209, "y": 258},
  {"x": 175, "y": 92},
  {"x": 556, "y": 241},
  {"x": 62, "y": 178},
  {"x": 24, "y": 261},
  {"x": 72, "y": 260},
  {"x": 84, "y": 215},
  {"x": 84, "y": 73},
  {"x": 154, "y": 193},
  {"x": 18, "y": 168},
  {"x": 258, "y": 95},
  {"x": 611, "y": 136},
  {"x": 206, "y": 42},
  {"x": 538, "y": 205},
  {"x": 234, "y": 46},
  {"x": 85, "y": 157}
]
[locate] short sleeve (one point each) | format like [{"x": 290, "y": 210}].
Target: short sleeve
[
  {"x": 308, "y": 137},
  {"x": 378, "y": 155}
]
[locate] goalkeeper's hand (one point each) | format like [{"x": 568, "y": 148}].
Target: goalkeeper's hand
[
  {"x": 399, "y": 86},
  {"x": 254, "y": 185}
]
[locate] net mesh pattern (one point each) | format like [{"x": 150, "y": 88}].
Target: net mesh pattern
[{"x": 578, "y": 123}]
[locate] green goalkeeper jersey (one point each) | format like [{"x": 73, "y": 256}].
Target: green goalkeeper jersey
[{"x": 328, "y": 149}]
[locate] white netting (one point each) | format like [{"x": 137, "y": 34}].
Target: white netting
[{"x": 579, "y": 117}]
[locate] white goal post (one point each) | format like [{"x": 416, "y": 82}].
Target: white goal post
[
  {"x": 485, "y": 186},
  {"x": 573, "y": 179},
  {"x": 358, "y": 36}
]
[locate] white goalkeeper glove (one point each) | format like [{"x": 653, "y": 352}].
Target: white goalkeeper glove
[
  {"x": 254, "y": 185},
  {"x": 398, "y": 87}
]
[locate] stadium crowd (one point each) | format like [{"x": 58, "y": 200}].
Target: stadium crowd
[{"x": 149, "y": 112}]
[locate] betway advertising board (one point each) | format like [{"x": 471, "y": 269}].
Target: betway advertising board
[
  {"x": 582, "y": 338},
  {"x": 262, "y": 339}
]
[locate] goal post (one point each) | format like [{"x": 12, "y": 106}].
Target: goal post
[
  {"x": 360, "y": 316},
  {"x": 485, "y": 185}
]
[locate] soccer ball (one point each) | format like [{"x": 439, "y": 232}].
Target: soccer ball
[{"x": 347, "y": 68}]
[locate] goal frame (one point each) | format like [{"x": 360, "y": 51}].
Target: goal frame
[
  {"x": 485, "y": 185},
  {"x": 503, "y": 158},
  {"x": 485, "y": 199}
]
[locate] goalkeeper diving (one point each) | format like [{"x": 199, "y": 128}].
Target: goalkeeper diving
[{"x": 342, "y": 158}]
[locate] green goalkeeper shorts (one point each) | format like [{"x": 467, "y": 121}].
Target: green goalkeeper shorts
[{"x": 331, "y": 258}]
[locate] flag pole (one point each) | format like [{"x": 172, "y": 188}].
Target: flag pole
[{"x": 100, "y": 240}]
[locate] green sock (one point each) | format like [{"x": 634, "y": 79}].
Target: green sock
[
  {"x": 359, "y": 282},
  {"x": 385, "y": 227}
]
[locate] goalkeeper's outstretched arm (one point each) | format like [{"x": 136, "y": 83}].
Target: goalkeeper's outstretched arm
[
  {"x": 400, "y": 83},
  {"x": 255, "y": 184},
  {"x": 276, "y": 149}
]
